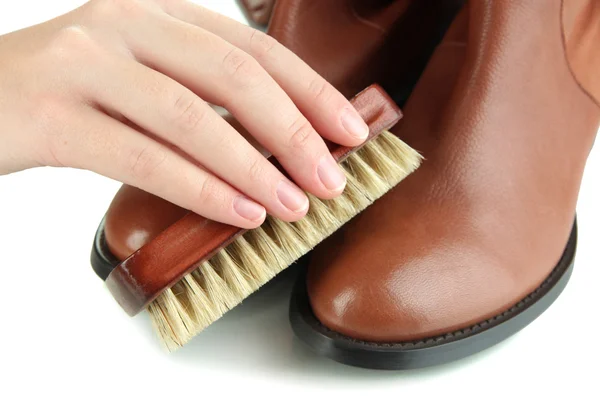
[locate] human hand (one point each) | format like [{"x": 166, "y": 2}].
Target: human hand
[{"x": 122, "y": 88}]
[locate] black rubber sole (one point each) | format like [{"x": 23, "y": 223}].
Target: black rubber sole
[
  {"x": 103, "y": 261},
  {"x": 436, "y": 350}
]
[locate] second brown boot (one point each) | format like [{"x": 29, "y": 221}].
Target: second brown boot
[{"x": 481, "y": 239}]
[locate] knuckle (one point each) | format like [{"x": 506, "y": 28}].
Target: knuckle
[
  {"x": 189, "y": 112},
  {"x": 70, "y": 44},
  {"x": 209, "y": 191},
  {"x": 256, "y": 170},
  {"x": 301, "y": 132},
  {"x": 145, "y": 162},
  {"x": 321, "y": 90},
  {"x": 57, "y": 153},
  {"x": 261, "y": 44},
  {"x": 50, "y": 116},
  {"x": 241, "y": 68},
  {"x": 57, "y": 150}
]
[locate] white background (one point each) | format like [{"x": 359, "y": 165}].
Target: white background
[{"x": 61, "y": 333}]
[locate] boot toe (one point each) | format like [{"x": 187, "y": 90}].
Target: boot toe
[
  {"x": 134, "y": 218},
  {"x": 390, "y": 301}
]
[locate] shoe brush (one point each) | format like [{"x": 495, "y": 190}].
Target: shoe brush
[{"x": 197, "y": 269}]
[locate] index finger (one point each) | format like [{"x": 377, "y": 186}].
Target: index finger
[{"x": 329, "y": 112}]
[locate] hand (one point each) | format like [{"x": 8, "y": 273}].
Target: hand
[{"x": 124, "y": 87}]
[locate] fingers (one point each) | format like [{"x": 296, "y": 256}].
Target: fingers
[
  {"x": 329, "y": 111},
  {"x": 92, "y": 140},
  {"x": 225, "y": 75},
  {"x": 173, "y": 113}
]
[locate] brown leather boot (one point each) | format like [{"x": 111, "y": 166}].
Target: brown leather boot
[
  {"x": 349, "y": 42},
  {"x": 481, "y": 239},
  {"x": 354, "y": 43}
]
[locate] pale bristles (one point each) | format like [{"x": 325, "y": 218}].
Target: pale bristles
[{"x": 235, "y": 272}]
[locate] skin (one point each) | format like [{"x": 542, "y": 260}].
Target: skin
[{"x": 125, "y": 87}]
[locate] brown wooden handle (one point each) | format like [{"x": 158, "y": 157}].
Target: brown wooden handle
[{"x": 174, "y": 253}]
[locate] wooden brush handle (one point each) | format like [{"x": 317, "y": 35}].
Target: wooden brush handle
[{"x": 174, "y": 253}]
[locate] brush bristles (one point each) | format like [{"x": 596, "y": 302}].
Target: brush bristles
[{"x": 235, "y": 272}]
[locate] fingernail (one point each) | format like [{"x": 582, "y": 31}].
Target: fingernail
[
  {"x": 331, "y": 174},
  {"x": 291, "y": 197},
  {"x": 248, "y": 209},
  {"x": 354, "y": 124}
]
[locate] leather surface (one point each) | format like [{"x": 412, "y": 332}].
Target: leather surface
[
  {"x": 581, "y": 22},
  {"x": 177, "y": 250},
  {"x": 505, "y": 127},
  {"x": 134, "y": 218},
  {"x": 351, "y": 42}
]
